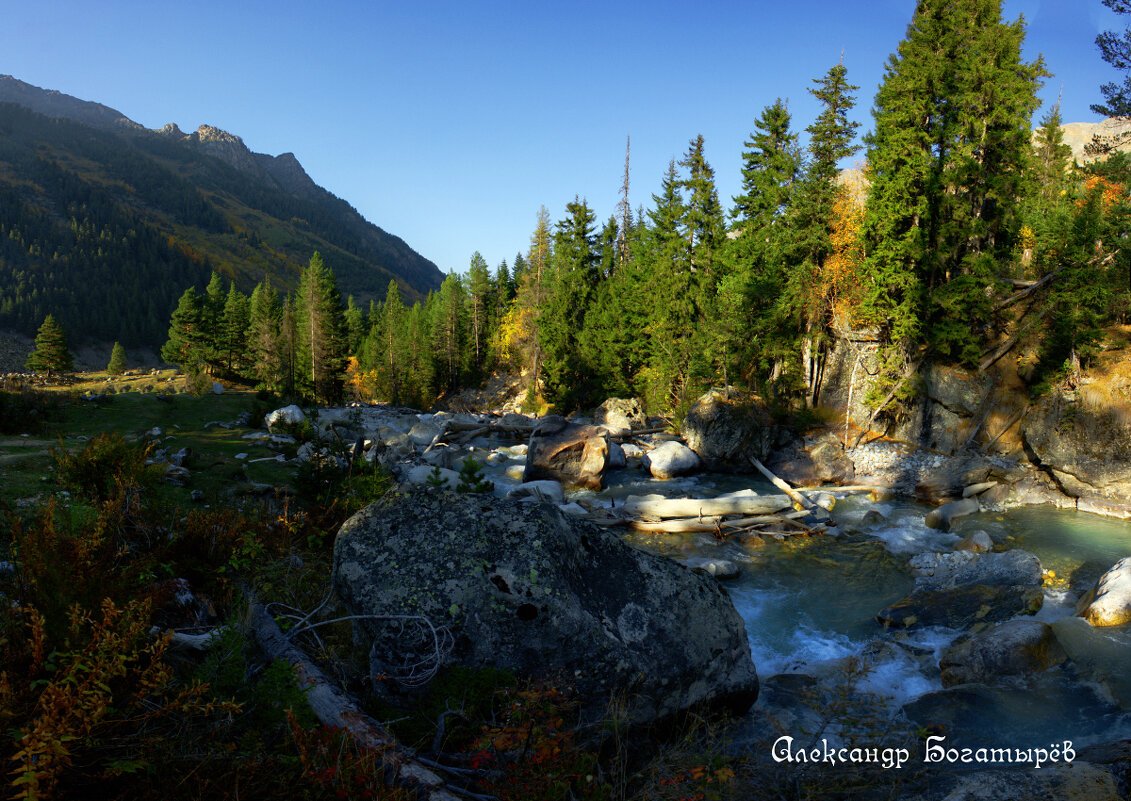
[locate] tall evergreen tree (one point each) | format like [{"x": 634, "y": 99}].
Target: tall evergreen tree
[
  {"x": 946, "y": 161},
  {"x": 232, "y": 334},
  {"x": 265, "y": 350},
  {"x": 575, "y": 273},
  {"x": 187, "y": 345},
  {"x": 831, "y": 140},
  {"x": 449, "y": 332},
  {"x": 771, "y": 164},
  {"x": 479, "y": 305},
  {"x": 51, "y": 354},
  {"x": 321, "y": 332}
]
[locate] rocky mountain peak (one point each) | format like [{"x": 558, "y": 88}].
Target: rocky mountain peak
[
  {"x": 228, "y": 148},
  {"x": 172, "y": 131}
]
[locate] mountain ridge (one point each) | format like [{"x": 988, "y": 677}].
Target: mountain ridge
[{"x": 74, "y": 173}]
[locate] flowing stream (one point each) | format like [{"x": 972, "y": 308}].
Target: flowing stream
[{"x": 809, "y": 606}]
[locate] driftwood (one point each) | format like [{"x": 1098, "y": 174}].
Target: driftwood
[
  {"x": 796, "y": 496},
  {"x": 707, "y": 525},
  {"x": 653, "y": 506},
  {"x": 334, "y": 707}
]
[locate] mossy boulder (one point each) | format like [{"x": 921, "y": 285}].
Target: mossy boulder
[{"x": 524, "y": 588}]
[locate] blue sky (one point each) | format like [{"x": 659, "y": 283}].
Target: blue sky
[{"x": 451, "y": 123}]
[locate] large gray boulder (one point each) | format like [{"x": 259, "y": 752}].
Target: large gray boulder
[
  {"x": 286, "y": 416},
  {"x": 575, "y": 455},
  {"x": 670, "y": 460},
  {"x": 525, "y": 588},
  {"x": 726, "y": 430}
]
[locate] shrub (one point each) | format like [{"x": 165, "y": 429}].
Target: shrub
[{"x": 106, "y": 463}]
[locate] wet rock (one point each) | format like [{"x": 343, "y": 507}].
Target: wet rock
[
  {"x": 575, "y": 455},
  {"x": 617, "y": 458},
  {"x": 1099, "y": 656},
  {"x": 873, "y": 518},
  {"x": 942, "y": 516},
  {"x": 725, "y": 431},
  {"x": 1108, "y": 603},
  {"x": 671, "y": 459},
  {"x": 962, "y": 607},
  {"x": 964, "y": 568},
  {"x": 722, "y": 569},
  {"x": 977, "y": 541},
  {"x": 525, "y": 588},
  {"x": 1015, "y": 647},
  {"x": 820, "y": 460}
]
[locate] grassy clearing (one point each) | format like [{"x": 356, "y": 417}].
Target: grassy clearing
[{"x": 184, "y": 422}]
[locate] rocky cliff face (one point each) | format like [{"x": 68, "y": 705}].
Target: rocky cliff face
[{"x": 1071, "y": 447}]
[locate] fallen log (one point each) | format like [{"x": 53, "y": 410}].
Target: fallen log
[
  {"x": 740, "y": 503},
  {"x": 333, "y": 707},
  {"x": 797, "y": 497},
  {"x": 708, "y": 525}
]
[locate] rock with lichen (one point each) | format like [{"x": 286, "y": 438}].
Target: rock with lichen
[{"x": 524, "y": 588}]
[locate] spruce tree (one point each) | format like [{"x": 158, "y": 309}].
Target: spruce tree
[
  {"x": 51, "y": 354},
  {"x": 812, "y": 219},
  {"x": 946, "y": 162},
  {"x": 449, "y": 332},
  {"x": 478, "y": 309},
  {"x": 263, "y": 341},
  {"x": 574, "y": 275},
  {"x": 771, "y": 164},
  {"x": 232, "y": 335},
  {"x": 118, "y": 363},
  {"x": 188, "y": 337},
  {"x": 321, "y": 332}
]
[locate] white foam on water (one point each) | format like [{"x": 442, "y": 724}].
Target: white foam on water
[
  {"x": 910, "y": 535},
  {"x": 806, "y": 651},
  {"x": 1058, "y": 604}
]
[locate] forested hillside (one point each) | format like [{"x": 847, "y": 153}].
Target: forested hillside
[{"x": 104, "y": 229}]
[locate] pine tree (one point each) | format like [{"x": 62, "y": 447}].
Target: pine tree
[
  {"x": 51, "y": 354},
  {"x": 263, "y": 342},
  {"x": 118, "y": 362},
  {"x": 232, "y": 335},
  {"x": 946, "y": 162},
  {"x": 478, "y": 309},
  {"x": 187, "y": 345},
  {"x": 575, "y": 274},
  {"x": 449, "y": 332},
  {"x": 321, "y": 332}
]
